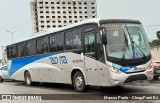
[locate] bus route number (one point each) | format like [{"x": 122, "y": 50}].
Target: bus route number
[{"x": 60, "y": 60}]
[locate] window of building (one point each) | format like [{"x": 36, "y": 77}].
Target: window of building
[
  {"x": 53, "y": 21},
  {"x": 58, "y": 12},
  {"x": 80, "y": 3},
  {"x": 21, "y": 50},
  {"x": 53, "y": 16},
  {"x": 85, "y": 3},
  {"x": 58, "y": 7},
  {"x": 75, "y": 12},
  {"x": 41, "y": 7},
  {"x": 56, "y": 42},
  {"x": 48, "y": 26},
  {"x": 92, "y": 7},
  {"x": 41, "y": 16},
  {"x": 75, "y": 7},
  {"x": 64, "y": 12},
  {"x": 86, "y": 16},
  {"x": 58, "y": 2},
  {"x": 40, "y": 2},
  {"x": 41, "y": 11},
  {"x": 52, "y": 2},
  {"x": 85, "y": 12},
  {"x": 70, "y": 16},
  {"x": 80, "y": 16},
  {"x": 64, "y": 16},
  {"x": 70, "y": 21},
  {"x": 47, "y": 11},
  {"x": 80, "y": 12},
  {"x": 69, "y": 7},
  {"x": 42, "y": 21},
  {"x": 31, "y": 48},
  {"x": 48, "y": 21},
  {"x": 52, "y": 7},
  {"x": 73, "y": 39},
  {"x": 54, "y": 25},
  {"x": 63, "y": 2},
  {"x": 59, "y": 26},
  {"x": 93, "y": 16},
  {"x": 80, "y": 7},
  {"x": 47, "y": 7},
  {"x": 64, "y": 7},
  {"x": 69, "y": 12},
  {"x": 75, "y": 21},
  {"x": 42, "y": 26},
  {"x": 59, "y": 16},
  {"x": 47, "y": 16},
  {"x": 92, "y": 3},
  {"x": 75, "y": 16},
  {"x": 42, "y": 45},
  {"x": 46, "y": 2},
  {"x": 53, "y": 12},
  {"x": 69, "y": 2},
  {"x": 85, "y": 7},
  {"x": 65, "y": 21}
]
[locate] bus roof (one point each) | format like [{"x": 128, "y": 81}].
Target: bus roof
[{"x": 39, "y": 34}]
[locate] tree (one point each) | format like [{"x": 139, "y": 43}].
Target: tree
[
  {"x": 158, "y": 35},
  {"x": 155, "y": 42}
]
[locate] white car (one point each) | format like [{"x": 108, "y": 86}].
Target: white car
[{"x": 3, "y": 73}]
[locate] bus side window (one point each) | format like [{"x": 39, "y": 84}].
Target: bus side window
[
  {"x": 89, "y": 44},
  {"x": 42, "y": 45}
]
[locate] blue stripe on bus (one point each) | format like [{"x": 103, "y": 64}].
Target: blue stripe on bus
[{"x": 15, "y": 64}]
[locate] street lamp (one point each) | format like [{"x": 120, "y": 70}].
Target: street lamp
[{"x": 12, "y": 32}]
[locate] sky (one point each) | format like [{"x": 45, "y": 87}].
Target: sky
[{"x": 15, "y": 16}]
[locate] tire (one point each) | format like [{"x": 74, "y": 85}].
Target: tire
[
  {"x": 1, "y": 79},
  {"x": 155, "y": 77},
  {"x": 28, "y": 79},
  {"x": 79, "y": 82}
]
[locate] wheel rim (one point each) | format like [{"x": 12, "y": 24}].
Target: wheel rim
[
  {"x": 28, "y": 80},
  {"x": 79, "y": 82}
]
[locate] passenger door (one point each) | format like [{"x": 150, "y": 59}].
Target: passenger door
[{"x": 90, "y": 62}]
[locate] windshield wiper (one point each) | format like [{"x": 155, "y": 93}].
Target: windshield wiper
[
  {"x": 133, "y": 43},
  {"x": 126, "y": 44}
]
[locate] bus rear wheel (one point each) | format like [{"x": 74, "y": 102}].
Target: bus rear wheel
[
  {"x": 79, "y": 82},
  {"x": 28, "y": 79}
]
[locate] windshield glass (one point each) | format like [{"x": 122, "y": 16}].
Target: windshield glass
[{"x": 126, "y": 41}]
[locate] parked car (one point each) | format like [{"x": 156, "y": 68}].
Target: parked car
[
  {"x": 3, "y": 73},
  {"x": 156, "y": 70}
]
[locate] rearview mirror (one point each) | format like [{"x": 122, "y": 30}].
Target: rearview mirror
[{"x": 103, "y": 32}]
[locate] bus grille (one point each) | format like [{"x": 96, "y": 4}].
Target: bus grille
[{"x": 136, "y": 77}]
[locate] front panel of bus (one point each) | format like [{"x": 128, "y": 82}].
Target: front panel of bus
[{"x": 127, "y": 51}]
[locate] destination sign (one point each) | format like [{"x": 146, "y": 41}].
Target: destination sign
[{"x": 112, "y": 25}]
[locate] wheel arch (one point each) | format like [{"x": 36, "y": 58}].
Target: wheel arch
[{"x": 76, "y": 69}]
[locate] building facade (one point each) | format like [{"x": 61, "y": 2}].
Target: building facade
[{"x": 47, "y": 14}]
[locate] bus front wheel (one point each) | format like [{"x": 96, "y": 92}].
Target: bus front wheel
[
  {"x": 79, "y": 82},
  {"x": 28, "y": 79}
]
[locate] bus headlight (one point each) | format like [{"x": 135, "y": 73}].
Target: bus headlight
[{"x": 115, "y": 70}]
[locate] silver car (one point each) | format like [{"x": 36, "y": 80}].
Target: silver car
[{"x": 3, "y": 73}]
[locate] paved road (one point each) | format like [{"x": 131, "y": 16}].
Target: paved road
[{"x": 142, "y": 87}]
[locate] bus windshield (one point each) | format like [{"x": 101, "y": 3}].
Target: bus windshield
[{"x": 126, "y": 41}]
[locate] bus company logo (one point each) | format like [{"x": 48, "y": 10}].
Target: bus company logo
[
  {"x": 6, "y": 97},
  {"x": 60, "y": 60}
]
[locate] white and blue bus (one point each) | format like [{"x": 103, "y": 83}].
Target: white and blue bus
[{"x": 98, "y": 52}]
